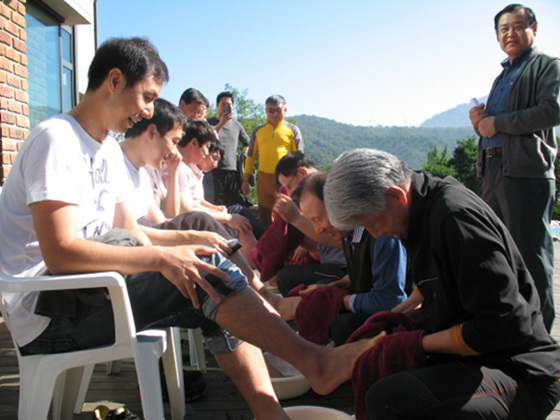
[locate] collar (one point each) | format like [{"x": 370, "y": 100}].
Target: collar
[{"x": 517, "y": 60}]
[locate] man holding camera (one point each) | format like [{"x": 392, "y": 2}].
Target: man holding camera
[{"x": 226, "y": 179}]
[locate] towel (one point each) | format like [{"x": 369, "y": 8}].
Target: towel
[
  {"x": 276, "y": 244},
  {"x": 401, "y": 350},
  {"x": 316, "y": 311}
]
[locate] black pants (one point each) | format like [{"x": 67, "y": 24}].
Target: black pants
[
  {"x": 461, "y": 390},
  {"x": 226, "y": 187}
]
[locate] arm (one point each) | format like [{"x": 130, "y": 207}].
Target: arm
[
  {"x": 56, "y": 225},
  {"x": 224, "y": 118},
  {"x": 545, "y": 112},
  {"x": 171, "y": 203},
  {"x": 411, "y": 304},
  {"x": 289, "y": 211},
  {"x": 249, "y": 163},
  {"x": 298, "y": 139},
  {"x": 389, "y": 262}
]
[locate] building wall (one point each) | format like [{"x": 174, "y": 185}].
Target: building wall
[
  {"x": 14, "y": 110},
  {"x": 14, "y": 99}
]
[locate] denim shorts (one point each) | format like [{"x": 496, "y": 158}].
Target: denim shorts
[{"x": 156, "y": 303}]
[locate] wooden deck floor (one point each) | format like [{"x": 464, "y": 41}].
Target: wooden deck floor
[{"x": 222, "y": 401}]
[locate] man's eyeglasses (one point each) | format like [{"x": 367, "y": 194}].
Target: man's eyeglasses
[{"x": 274, "y": 110}]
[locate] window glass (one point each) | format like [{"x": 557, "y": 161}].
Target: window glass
[
  {"x": 44, "y": 65},
  {"x": 67, "y": 89},
  {"x": 66, "y": 45}
]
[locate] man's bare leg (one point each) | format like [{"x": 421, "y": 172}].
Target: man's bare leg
[
  {"x": 285, "y": 306},
  {"x": 247, "y": 369},
  {"x": 247, "y": 316}
]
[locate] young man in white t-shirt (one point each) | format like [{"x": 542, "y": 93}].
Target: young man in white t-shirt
[
  {"x": 149, "y": 144},
  {"x": 66, "y": 185}
]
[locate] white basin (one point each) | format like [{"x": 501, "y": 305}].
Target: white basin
[
  {"x": 292, "y": 384},
  {"x": 309, "y": 412}
]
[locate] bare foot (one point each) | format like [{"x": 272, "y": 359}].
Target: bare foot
[
  {"x": 336, "y": 364},
  {"x": 287, "y": 307}
]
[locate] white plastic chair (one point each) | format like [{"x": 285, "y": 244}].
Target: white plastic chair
[{"x": 61, "y": 377}]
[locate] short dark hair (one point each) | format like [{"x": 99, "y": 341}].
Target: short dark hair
[
  {"x": 198, "y": 129},
  {"x": 312, "y": 183},
  {"x": 512, "y": 8},
  {"x": 166, "y": 116},
  {"x": 135, "y": 57},
  {"x": 275, "y": 100},
  {"x": 289, "y": 164},
  {"x": 192, "y": 94},
  {"x": 217, "y": 146},
  {"x": 225, "y": 94}
]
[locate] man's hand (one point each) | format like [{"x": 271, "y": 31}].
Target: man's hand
[
  {"x": 172, "y": 160},
  {"x": 486, "y": 127},
  {"x": 315, "y": 286},
  {"x": 299, "y": 253},
  {"x": 182, "y": 267},
  {"x": 286, "y": 208},
  {"x": 211, "y": 239},
  {"x": 245, "y": 187},
  {"x": 224, "y": 118},
  {"x": 240, "y": 223},
  {"x": 476, "y": 114}
]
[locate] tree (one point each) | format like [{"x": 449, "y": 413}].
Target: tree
[
  {"x": 249, "y": 113},
  {"x": 438, "y": 164},
  {"x": 464, "y": 162}
]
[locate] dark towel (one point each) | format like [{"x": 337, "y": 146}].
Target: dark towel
[
  {"x": 316, "y": 311},
  {"x": 276, "y": 244},
  {"x": 399, "y": 351},
  {"x": 382, "y": 321}
]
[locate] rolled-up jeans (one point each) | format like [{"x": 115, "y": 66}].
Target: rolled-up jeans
[{"x": 156, "y": 303}]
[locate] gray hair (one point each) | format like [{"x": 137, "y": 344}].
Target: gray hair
[
  {"x": 357, "y": 183},
  {"x": 275, "y": 100}
]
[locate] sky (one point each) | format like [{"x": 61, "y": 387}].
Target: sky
[{"x": 361, "y": 62}]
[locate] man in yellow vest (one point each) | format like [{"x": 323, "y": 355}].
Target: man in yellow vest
[{"x": 270, "y": 142}]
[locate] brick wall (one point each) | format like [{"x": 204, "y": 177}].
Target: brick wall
[{"x": 14, "y": 109}]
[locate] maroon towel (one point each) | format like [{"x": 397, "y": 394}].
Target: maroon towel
[
  {"x": 382, "y": 321},
  {"x": 316, "y": 311},
  {"x": 275, "y": 245},
  {"x": 399, "y": 351},
  {"x": 295, "y": 291}
]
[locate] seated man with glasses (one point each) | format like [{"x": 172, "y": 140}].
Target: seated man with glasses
[{"x": 270, "y": 142}]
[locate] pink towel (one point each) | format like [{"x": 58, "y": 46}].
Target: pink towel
[
  {"x": 399, "y": 351},
  {"x": 316, "y": 311}
]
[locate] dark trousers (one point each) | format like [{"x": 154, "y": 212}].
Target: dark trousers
[
  {"x": 525, "y": 206},
  {"x": 226, "y": 187},
  {"x": 460, "y": 390}
]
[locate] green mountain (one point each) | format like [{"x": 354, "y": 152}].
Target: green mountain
[{"x": 326, "y": 139}]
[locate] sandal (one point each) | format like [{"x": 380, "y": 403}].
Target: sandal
[{"x": 102, "y": 412}]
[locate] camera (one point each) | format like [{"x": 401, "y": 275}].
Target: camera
[{"x": 227, "y": 109}]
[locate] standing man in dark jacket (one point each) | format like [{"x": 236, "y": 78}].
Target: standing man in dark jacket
[{"x": 517, "y": 146}]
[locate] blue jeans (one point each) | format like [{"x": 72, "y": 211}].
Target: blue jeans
[
  {"x": 156, "y": 303},
  {"x": 461, "y": 390}
]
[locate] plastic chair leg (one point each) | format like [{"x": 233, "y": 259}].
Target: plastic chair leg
[
  {"x": 149, "y": 349},
  {"x": 173, "y": 368}
]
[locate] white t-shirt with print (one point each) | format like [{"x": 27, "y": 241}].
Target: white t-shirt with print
[{"x": 58, "y": 161}]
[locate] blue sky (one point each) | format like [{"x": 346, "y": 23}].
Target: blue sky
[{"x": 363, "y": 62}]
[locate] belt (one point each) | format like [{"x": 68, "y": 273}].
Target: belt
[{"x": 493, "y": 151}]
